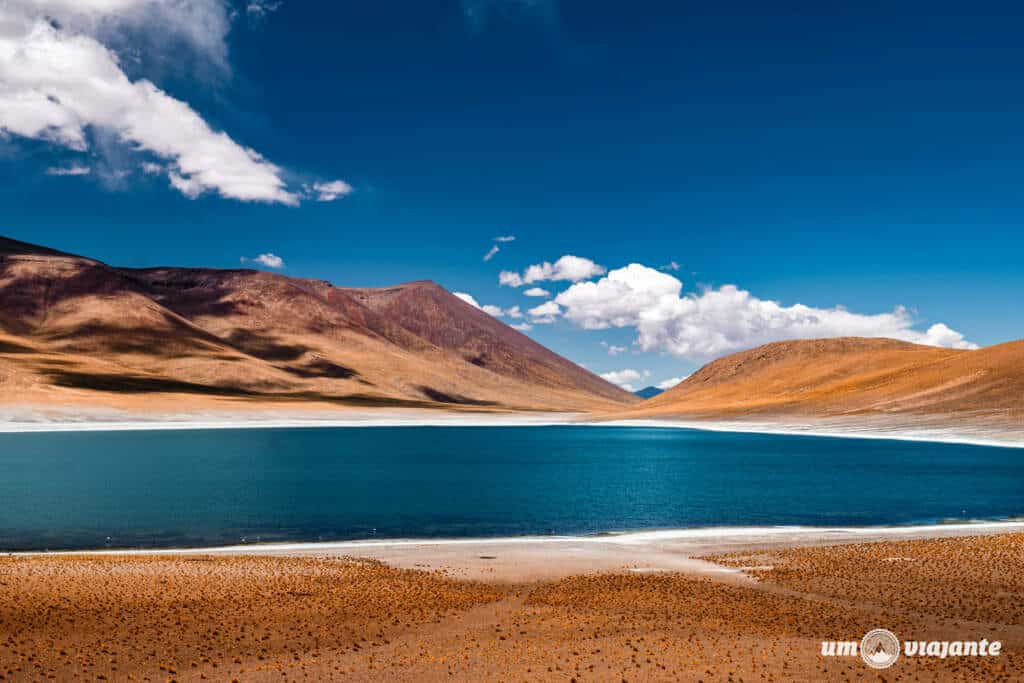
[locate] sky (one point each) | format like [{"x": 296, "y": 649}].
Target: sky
[{"x": 642, "y": 186}]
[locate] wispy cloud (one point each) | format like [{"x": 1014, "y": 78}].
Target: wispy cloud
[
  {"x": 491, "y": 252},
  {"x": 72, "y": 170},
  {"x": 612, "y": 349},
  {"x": 258, "y": 9},
  {"x": 505, "y": 238},
  {"x": 270, "y": 260},
  {"x": 63, "y": 84}
]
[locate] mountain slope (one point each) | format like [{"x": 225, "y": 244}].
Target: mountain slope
[
  {"x": 77, "y": 329},
  {"x": 432, "y": 313},
  {"x": 852, "y": 377}
]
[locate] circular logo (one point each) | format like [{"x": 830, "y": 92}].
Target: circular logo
[{"x": 880, "y": 648}]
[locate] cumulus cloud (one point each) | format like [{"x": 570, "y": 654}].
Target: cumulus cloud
[
  {"x": 510, "y": 279},
  {"x": 624, "y": 378},
  {"x": 514, "y": 312},
  {"x": 667, "y": 384},
  {"x": 491, "y": 252},
  {"x": 270, "y": 260},
  {"x": 72, "y": 170},
  {"x": 61, "y": 84},
  {"x": 544, "y": 314},
  {"x": 537, "y": 291},
  {"x": 494, "y": 311},
  {"x": 522, "y": 327},
  {"x": 724, "y": 320},
  {"x": 330, "y": 191},
  {"x": 569, "y": 267}
]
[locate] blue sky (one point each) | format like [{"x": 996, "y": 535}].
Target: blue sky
[{"x": 860, "y": 157}]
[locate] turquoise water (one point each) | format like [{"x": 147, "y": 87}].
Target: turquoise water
[{"x": 175, "y": 488}]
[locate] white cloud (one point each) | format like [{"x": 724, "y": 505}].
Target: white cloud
[
  {"x": 261, "y": 8},
  {"x": 270, "y": 260},
  {"x": 544, "y": 314},
  {"x": 509, "y": 278},
  {"x": 494, "y": 311},
  {"x": 522, "y": 327},
  {"x": 514, "y": 312},
  {"x": 612, "y": 349},
  {"x": 73, "y": 169},
  {"x": 505, "y": 238},
  {"x": 491, "y": 252},
  {"x": 623, "y": 378},
  {"x": 537, "y": 291},
  {"x": 329, "y": 191},
  {"x": 62, "y": 82},
  {"x": 202, "y": 25},
  {"x": 671, "y": 265},
  {"x": 56, "y": 85},
  {"x": 724, "y": 320},
  {"x": 569, "y": 267},
  {"x": 667, "y": 384}
]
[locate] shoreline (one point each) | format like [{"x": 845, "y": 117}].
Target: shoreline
[
  {"x": 871, "y": 428},
  {"x": 684, "y": 542}
]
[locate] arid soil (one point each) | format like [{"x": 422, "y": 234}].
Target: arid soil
[
  {"x": 855, "y": 380},
  {"x": 286, "y": 618}
]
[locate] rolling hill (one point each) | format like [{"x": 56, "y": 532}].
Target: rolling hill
[
  {"x": 76, "y": 330},
  {"x": 852, "y": 377}
]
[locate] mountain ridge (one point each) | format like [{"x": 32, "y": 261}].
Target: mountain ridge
[{"x": 249, "y": 334}]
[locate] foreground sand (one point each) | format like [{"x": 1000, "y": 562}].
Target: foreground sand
[{"x": 276, "y": 618}]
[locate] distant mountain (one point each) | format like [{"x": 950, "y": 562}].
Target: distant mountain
[
  {"x": 75, "y": 329},
  {"x": 649, "y": 392},
  {"x": 853, "y": 377}
]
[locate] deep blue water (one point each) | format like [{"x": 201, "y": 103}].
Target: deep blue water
[{"x": 172, "y": 488}]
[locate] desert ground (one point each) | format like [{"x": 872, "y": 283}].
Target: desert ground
[{"x": 750, "y": 609}]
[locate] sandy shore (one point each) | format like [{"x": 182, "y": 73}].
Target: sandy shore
[
  {"x": 533, "y": 558},
  {"x": 750, "y": 606}
]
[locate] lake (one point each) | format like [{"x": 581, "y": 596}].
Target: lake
[{"x": 212, "y": 487}]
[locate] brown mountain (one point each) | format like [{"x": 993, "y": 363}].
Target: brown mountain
[
  {"x": 73, "y": 329},
  {"x": 835, "y": 378}
]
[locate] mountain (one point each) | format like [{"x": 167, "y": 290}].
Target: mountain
[
  {"x": 649, "y": 392},
  {"x": 830, "y": 378},
  {"x": 74, "y": 329}
]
